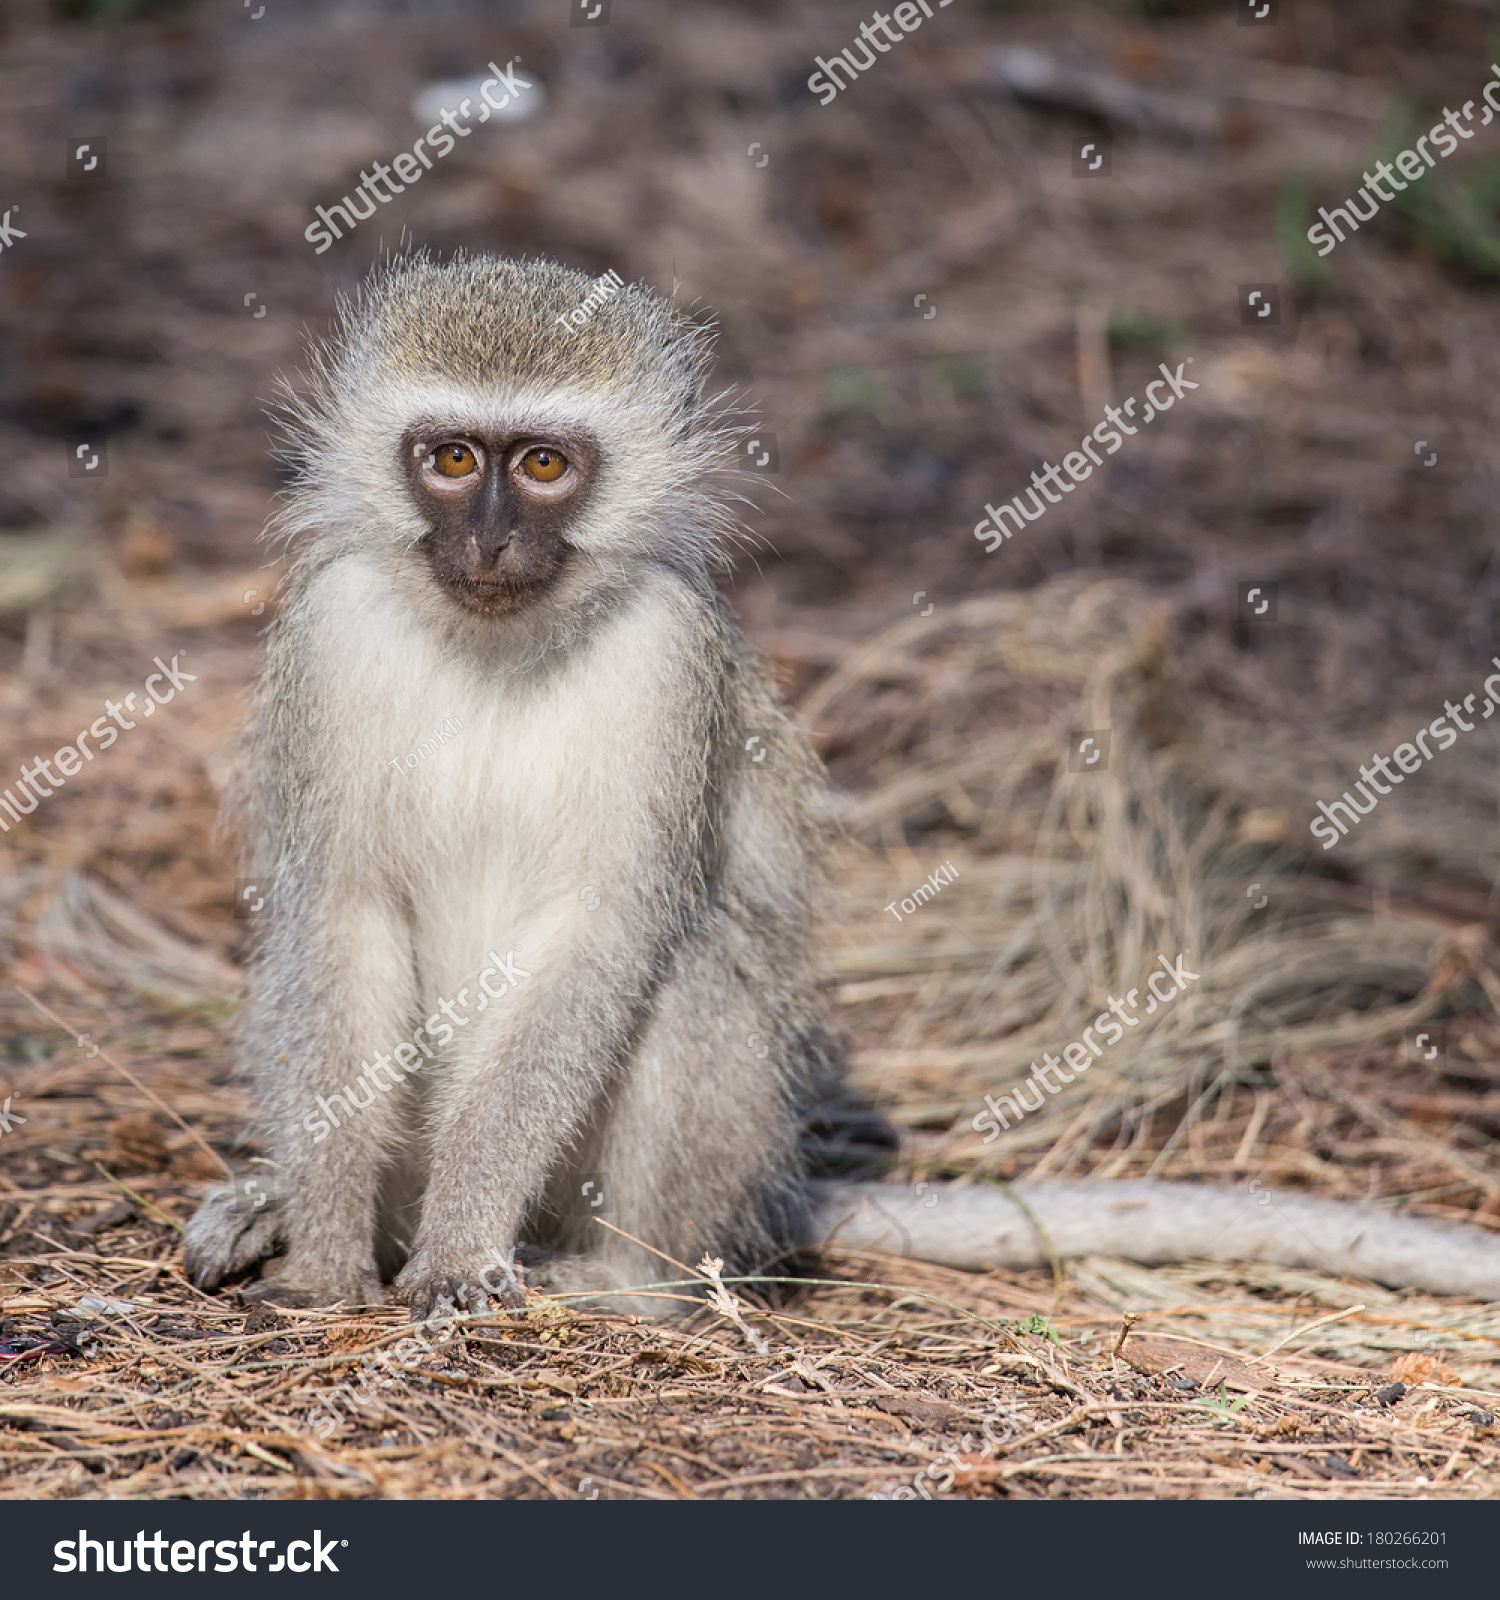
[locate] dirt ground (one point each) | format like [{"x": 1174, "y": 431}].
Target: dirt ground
[{"x": 924, "y": 300}]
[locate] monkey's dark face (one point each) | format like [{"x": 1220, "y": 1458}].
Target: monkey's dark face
[{"x": 496, "y": 509}]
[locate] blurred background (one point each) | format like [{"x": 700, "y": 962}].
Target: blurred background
[{"x": 926, "y": 300}]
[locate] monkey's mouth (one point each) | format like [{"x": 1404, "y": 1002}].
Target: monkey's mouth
[
  {"x": 492, "y": 596},
  {"x": 492, "y": 583}
]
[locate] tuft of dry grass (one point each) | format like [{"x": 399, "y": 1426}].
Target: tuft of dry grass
[{"x": 1071, "y": 883}]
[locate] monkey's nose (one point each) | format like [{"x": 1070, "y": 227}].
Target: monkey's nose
[{"x": 486, "y": 546}]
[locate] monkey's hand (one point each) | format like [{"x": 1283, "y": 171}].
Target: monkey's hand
[
  {"x": 228, "y": 1235},
  {"x": 433, "y": 1289}
]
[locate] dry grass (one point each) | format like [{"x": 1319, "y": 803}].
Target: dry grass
[
  {"x": 1284, "y": 1063},
  {"x": 893, "y": 1383}
]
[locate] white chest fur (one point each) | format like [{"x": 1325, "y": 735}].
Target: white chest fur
[{"x": 503, "y": 833}]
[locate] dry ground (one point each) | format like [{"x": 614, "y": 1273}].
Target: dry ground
[
  {"x": 151, "y": 1388},
  {"x": 1292, "y": 1064}
]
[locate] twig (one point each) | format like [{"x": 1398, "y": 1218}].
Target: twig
[
  {"x": 140, "y": 1200},
  {"x": 135, "y": 1082},
  {"x": 1297, "y": 1333},
  {"x": 682, "y": 1265},
  {"x": 1127, "y": 1322},
  {"x": 727, "y": 1306}
]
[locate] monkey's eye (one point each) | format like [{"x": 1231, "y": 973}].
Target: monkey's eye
[
  {"x": 545, "y": 465},
  {"x": 454, "y": 460}
]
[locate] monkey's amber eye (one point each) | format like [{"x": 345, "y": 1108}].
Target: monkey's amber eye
[
  {"x": 455, "y": 460},
  {"x": 546, "y": 466}
]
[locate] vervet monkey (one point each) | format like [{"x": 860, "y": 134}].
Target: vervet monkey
[
  {"x": 507, "y": 522},
  {"x": 508, "y": 519}
]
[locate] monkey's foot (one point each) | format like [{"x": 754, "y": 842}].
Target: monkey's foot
[
  {"x": 435, "y": 1291},
  {"x": 228, "y": 1235}
]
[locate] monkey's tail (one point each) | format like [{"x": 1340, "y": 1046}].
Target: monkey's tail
[{"x": 978, "y": 1226}]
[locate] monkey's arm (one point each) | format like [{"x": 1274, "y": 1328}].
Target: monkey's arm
[
  {"x": 331, "y": 990},
  {"x": 977, "y": 1226},
  {"x": 522, "y": 1093}
]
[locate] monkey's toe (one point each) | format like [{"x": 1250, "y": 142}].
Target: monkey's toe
[
  {"x": 228, "y": 1235},
  {"x": 436, "y": 1292}
]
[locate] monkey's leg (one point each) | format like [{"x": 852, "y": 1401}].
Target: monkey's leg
[
  {"x": 521, "y": 1083},
  {"x": 699, "y": 1139},
  {"x": 335, "y": 991}
]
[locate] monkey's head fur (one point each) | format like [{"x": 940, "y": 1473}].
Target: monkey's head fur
[{"x": 492, "y": 461}]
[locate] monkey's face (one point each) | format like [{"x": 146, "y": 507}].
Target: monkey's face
[{"x": 496, "y": 508}]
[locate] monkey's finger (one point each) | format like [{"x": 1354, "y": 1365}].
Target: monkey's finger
[
  {"x": 221, "y": 1240},
  {"x": 429, "y": 1303},
  {"x": 508, "y": 1293}
]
